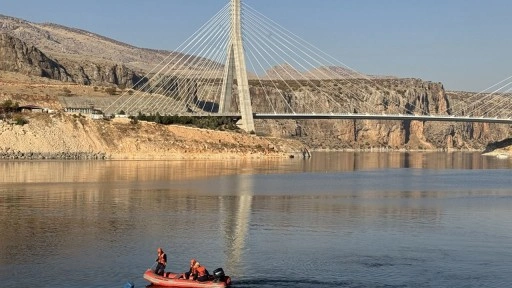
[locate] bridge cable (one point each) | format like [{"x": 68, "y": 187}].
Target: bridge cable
[
  {"x": 304, "y": 77},
  {"x": 311, "y": 48},
  {"x": 185, "y": 59},
  {"x": 184, "y": 81},
  {"x": 471, "y": 99},
  {"x": 259, "y": 31},
  {"x": 191, "y": 38}
]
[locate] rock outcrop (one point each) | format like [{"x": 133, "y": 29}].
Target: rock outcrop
[
  {"x": 390, "y": 96},
  {"x": 17, "y": 56},
  {"x": 92, "y": 59}
]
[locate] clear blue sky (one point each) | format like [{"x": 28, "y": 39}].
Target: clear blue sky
[{"x": 465, "y": 44}]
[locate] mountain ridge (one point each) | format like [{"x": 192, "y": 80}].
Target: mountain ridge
[
  {"x": 78, "y": 45},
  {"x": 77, "y": 49}
]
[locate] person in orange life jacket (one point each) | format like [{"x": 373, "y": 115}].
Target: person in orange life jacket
[
  {"x": 200, "y": 273},
  {"x": 161, "y": 262},
  {"x": 186, "y": 275}
]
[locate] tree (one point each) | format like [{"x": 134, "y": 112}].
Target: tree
[
  {"x": 8, "y": 106},
  {"x": 19, "y": 120}
]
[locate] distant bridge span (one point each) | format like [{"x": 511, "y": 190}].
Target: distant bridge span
[
  {"x": 342, "y": 116},
  {"x": 432, "y": 118}
]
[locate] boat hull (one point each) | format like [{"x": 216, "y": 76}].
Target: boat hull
[{"x": 171, "y": 280}]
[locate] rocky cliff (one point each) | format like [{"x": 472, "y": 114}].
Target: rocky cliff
[
  {"x": 86, "y": 57},
  {"x": 392, "y": 96},
  {"x": 18, "y": 56},
  {"x": 59, "y": 42}
]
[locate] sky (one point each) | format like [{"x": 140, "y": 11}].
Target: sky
[{"x": 464, "y": 44}]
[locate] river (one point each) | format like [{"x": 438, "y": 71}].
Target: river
[{"x": 339, "y": 219}]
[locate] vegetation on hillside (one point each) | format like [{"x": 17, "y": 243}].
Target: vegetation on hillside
[
  {"x": 9, "y": 110},
  {"x": 205, "y": 122}
]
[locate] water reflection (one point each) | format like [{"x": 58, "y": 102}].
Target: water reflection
[
  {"x": 235, "y": 213},
  {"x": 75, "y": 219},
  {"x": 136, "y": 171},
  {"x": 355, "y": 161}
]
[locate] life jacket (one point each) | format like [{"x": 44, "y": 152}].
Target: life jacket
[
  {"x": 161, "y": 258},
  {"x": 201, "y": 271}
]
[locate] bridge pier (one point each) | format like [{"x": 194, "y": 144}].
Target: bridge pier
[{"x": 235, "y": 66}]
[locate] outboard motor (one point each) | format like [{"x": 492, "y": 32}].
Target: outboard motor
[{"x": 218, "y": 275}]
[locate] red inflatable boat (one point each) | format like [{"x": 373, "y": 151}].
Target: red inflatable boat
[{"x": 219, "y": 280}]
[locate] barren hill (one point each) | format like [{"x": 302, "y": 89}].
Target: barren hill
[
  {"x": 61, "y": 42},
  {"x": 86, "y": 57}
]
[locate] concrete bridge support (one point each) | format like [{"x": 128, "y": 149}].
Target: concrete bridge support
[{"x": 235, "y": 66}]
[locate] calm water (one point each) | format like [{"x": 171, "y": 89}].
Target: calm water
[{"x": 337, "y": 220}]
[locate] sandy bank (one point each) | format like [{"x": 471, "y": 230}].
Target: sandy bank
[{"x": 64, "y": 136}]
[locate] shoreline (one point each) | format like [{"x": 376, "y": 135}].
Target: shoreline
[{"x": 103, "y": 156}]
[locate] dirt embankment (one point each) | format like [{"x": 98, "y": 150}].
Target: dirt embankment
[{"x": 77, "y": 137}]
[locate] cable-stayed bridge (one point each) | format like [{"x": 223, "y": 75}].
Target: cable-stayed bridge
[{"x": 242, "y": 64}]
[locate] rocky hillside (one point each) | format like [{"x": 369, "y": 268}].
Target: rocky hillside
[
  {"x": 392, "y": 96},
  {"x": 18, "y": 56},
  {"x": 22, "y": 57},
  {"x": 288, "y": 72},
  {"x": 60, "y": 42},
  {"x": 82, "y": 57},
  {"x": 61, "y": 136}
]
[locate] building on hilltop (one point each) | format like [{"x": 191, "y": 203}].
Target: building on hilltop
[
  {"x": 87, "y": 111},
  {"x": 31, "y": 108}
]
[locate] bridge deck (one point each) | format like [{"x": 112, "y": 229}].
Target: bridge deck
[
  {"x": 440, "y": 118},
  {"x": 434, "y": 118}
]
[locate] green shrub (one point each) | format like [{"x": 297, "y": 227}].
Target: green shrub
[
  {"x": 20, "y": 120},
  {"x": 206, "y": 122},
  {"x": 8, "y": 106}
]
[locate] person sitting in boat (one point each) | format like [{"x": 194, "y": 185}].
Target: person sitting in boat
[
  {"x": 161, "y": 262},
  {"x": 200, "y": 273},
  {"x": 186, "y": 275}
]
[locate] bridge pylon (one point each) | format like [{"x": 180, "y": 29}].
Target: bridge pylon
[{"x": 235, "y": 66}]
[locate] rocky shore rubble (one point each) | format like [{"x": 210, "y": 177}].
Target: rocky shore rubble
[{"x": 8, "y": 154}]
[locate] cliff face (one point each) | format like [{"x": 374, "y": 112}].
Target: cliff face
[
  {"x": 17, "y": 56},
  {"x": 89, "y": 58},
  {"x": 90, "y": 73},
  {"x": 405, "y": 96},
  {"x": 59, "y": 42}
]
